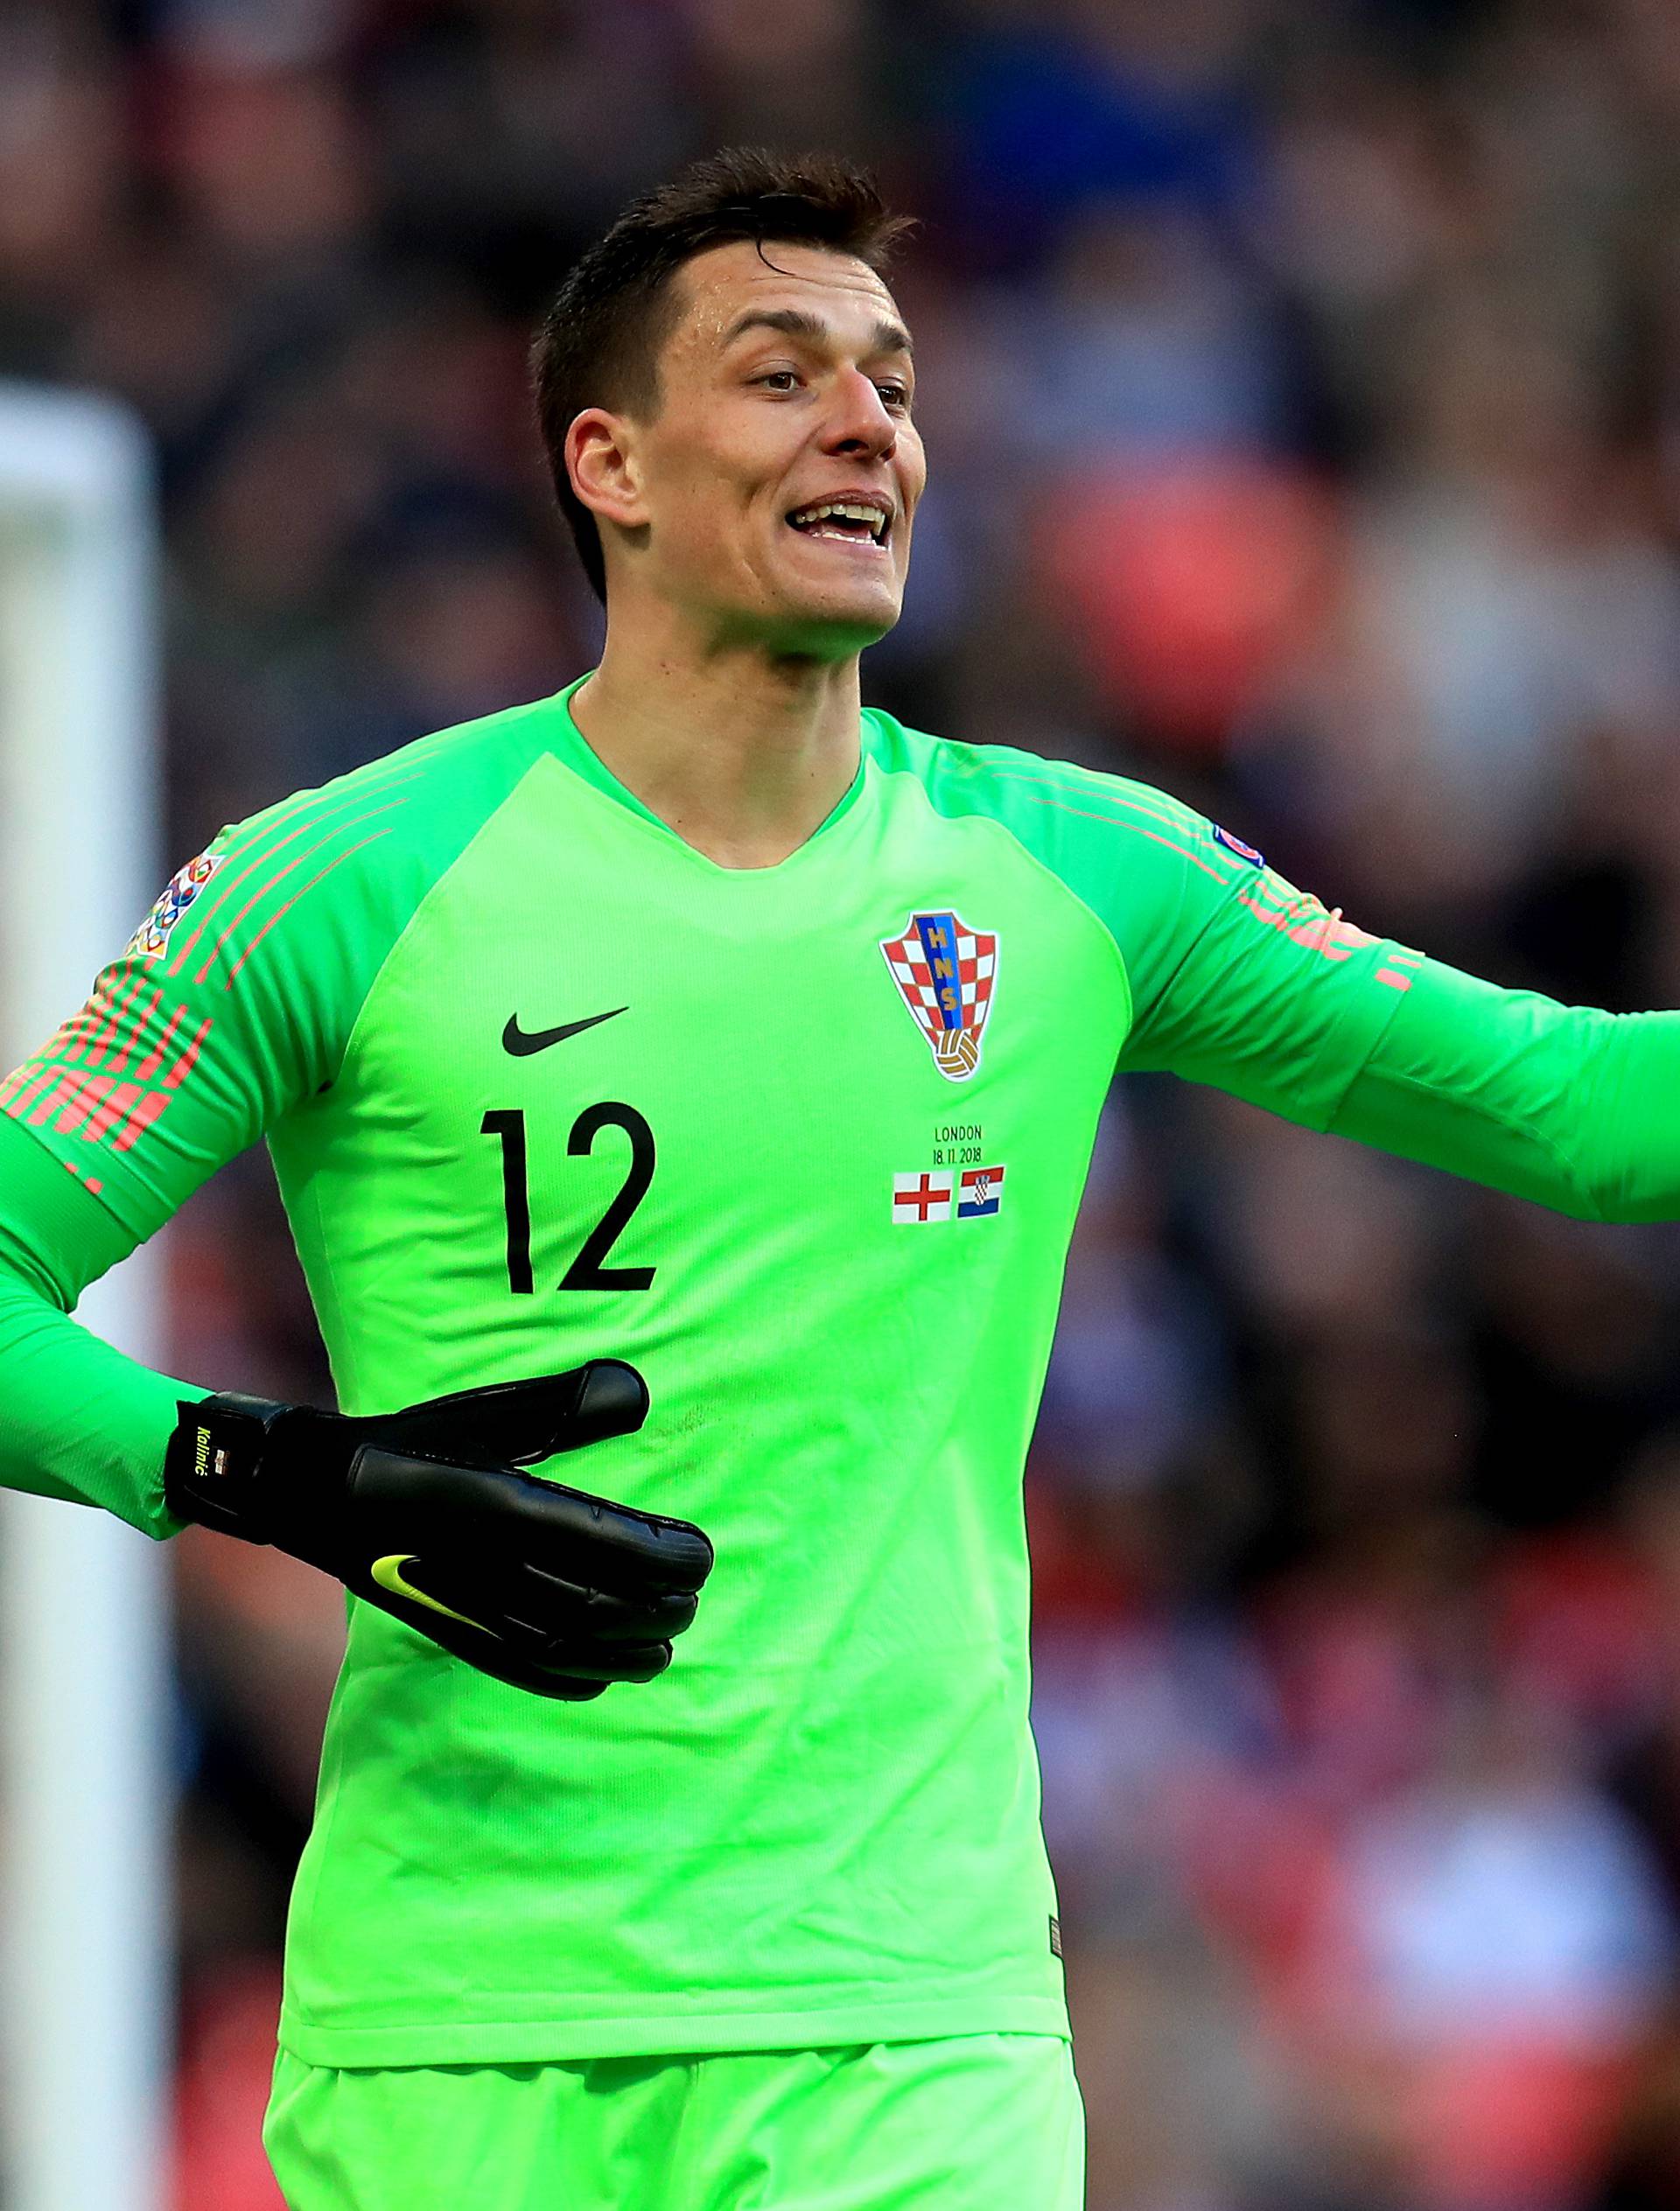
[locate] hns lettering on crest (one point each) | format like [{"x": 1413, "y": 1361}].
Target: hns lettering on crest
[
  {"x": 150, "y": 938},
  {"x": 946, "y": 972}
]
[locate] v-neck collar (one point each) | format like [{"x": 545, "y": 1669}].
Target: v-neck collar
[{"x": 571, "y": 747}]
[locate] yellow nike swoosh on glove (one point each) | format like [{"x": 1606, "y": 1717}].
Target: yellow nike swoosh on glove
[{"x": 388, "y": 1572}]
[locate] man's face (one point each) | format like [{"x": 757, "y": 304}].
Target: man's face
[{"x": 785, "y": 385}]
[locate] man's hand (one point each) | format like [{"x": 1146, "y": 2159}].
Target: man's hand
[{"x": 422, "y": 1513}]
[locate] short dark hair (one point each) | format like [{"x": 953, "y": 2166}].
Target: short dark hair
[{"x": 598, "y": 344}]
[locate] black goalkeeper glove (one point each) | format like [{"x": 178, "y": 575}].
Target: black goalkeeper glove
[{"x": 421, "y": 1512}]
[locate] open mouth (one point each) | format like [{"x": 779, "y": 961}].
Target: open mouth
[{"x": 848, "y": 521}]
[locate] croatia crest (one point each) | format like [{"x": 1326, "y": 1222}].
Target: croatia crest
[{"x": 946, "y": 972}]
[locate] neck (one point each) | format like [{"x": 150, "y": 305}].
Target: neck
[{"x": 742, "y": 754}]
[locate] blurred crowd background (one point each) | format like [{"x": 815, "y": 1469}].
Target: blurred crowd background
[{"x": 1301, "y": 380}]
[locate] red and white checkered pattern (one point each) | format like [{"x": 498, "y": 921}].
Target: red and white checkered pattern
[{"x": 977, "y": 969}]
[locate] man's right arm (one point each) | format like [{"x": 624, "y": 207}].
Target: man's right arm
[
  {"x": 78, "y": 1419},
  {"x": 231, "y": 1004}
]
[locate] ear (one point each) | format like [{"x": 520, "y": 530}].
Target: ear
[{"x": 602, "y": 462}]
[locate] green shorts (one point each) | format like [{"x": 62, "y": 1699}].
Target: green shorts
[{"x": 976, "y": 2122}]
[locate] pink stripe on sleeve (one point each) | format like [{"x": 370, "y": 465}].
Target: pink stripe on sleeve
[
  {"x": 151, "y": 1106},
  {"x": 292, "y": 901},
  {"x": 76, "y": 1111}
]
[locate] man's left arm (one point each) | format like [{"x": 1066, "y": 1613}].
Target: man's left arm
[
  {"x": 1243, "y": 982},
  {"x": 1575, "y": 1109}
]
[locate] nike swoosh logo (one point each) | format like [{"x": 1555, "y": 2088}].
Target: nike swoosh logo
[
  {"x": 388, "y": 1572},
  {"x": 521, "y": 1043}
]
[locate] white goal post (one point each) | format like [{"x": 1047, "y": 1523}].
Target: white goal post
[{"x": 85, "y": 1801}]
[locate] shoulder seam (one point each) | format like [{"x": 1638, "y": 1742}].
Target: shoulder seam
[
  {"x": 255, "y": 853},
  {"x": 1066, "y": 779},
  {"x": 431, "y": 892},
  {"x": 1135, "y": 828},
  {"x": 324, "y": 814}
]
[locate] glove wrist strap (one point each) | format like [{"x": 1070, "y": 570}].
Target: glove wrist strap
[{"x": 219, "y": 1466}]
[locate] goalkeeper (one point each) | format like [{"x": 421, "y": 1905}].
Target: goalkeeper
[{"x": 694, "y": 1024}]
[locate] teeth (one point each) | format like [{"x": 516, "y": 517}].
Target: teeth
[{"x": 843, "y": 510}]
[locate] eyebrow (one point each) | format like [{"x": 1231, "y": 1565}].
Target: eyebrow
[{"x": 799, "y": 322}]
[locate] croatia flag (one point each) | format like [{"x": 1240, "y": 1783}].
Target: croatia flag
[{"x": 979, "y": 1193}]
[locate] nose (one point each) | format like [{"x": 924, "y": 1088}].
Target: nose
[{"x": 859, "y": 425}]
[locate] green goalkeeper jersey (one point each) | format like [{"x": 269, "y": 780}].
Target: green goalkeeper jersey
[{"x": 805, "y": 1144}]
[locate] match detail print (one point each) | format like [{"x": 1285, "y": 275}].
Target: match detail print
[{"x": 975, "y": 1194}]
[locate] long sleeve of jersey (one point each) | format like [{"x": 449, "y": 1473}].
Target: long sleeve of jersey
[
  {"x": 198, "y": 1036},
  {"x": 78, "y": 1420},
  {"x": 1577, "y": 1110},
  {"x": 223, "y": 1020}
]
